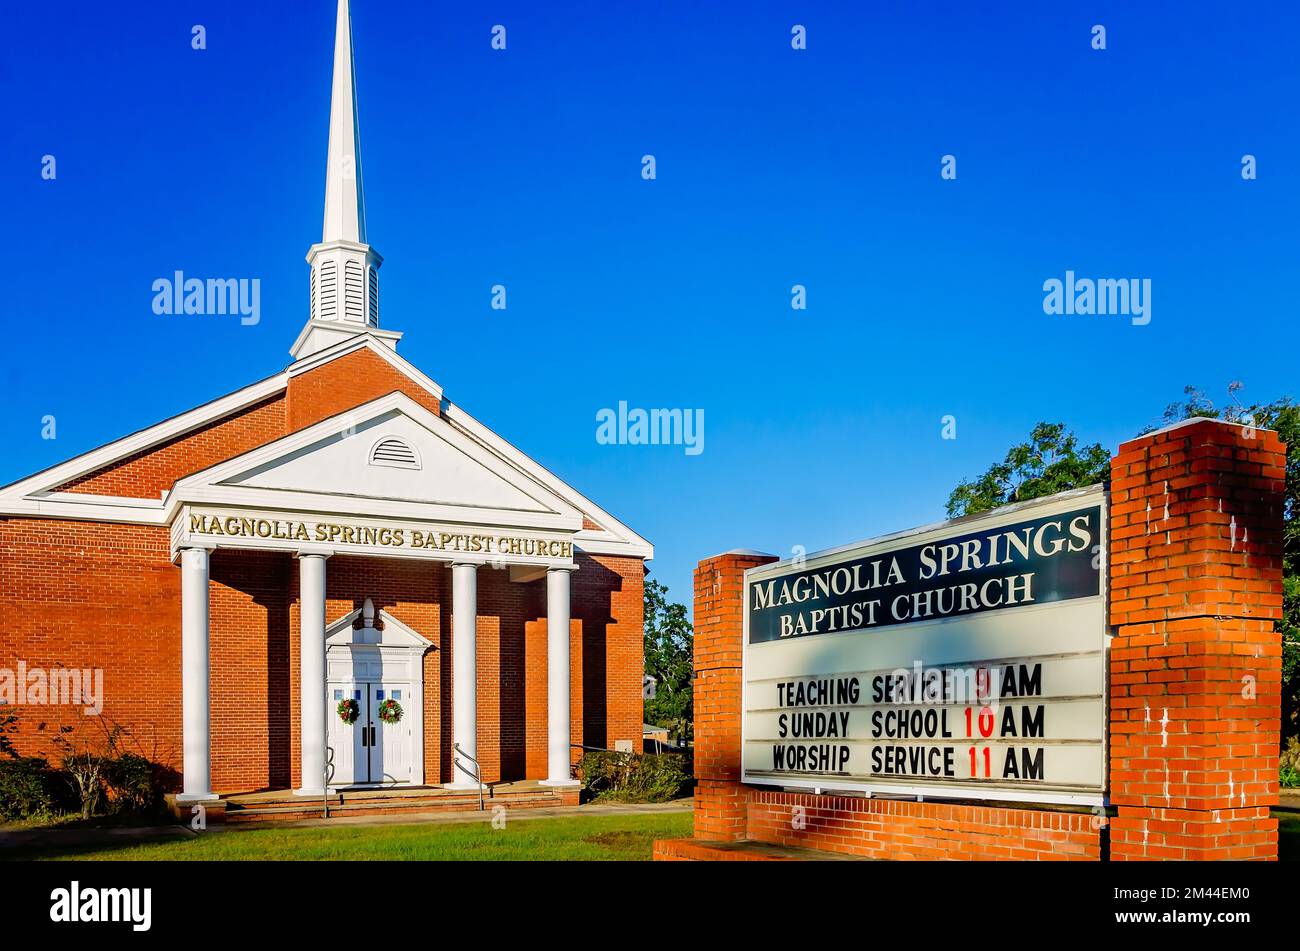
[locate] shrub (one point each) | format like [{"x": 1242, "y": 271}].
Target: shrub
[
  {"x": 1289, "y": 771},
  {"x": 28, "y": 787},
  {"x": 133, "y": 784},
  {"x": 634, "y": 777}
]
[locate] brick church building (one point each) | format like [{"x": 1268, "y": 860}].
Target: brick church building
[{"x": 334, "y": 574}]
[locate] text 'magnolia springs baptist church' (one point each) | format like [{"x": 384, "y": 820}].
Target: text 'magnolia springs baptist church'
[{"x": 335, "y": 562}]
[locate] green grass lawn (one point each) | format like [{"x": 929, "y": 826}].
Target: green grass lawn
[{"x": 594, "y": 838}]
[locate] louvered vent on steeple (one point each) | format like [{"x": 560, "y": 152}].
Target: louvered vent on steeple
[
  {"x": 354, "y": 292},
  {"x": 373, "y": 312}
]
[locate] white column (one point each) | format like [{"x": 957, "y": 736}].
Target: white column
[
  {"x": 311, "y": 595},
  {"x": 464, "y": 691},
  {"x": 557, "y": 678},
  {"x": 195, "y": 711}
]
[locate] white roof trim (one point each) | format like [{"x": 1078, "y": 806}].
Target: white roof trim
[{"x": 141, "y": 440}]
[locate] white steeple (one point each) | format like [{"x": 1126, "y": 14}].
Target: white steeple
[
  {"x": 344, "y": 268},
  {"x": 345, "y": 200}
]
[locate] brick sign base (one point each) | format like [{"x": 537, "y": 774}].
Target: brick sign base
[{"x": 1195, "y": 688}]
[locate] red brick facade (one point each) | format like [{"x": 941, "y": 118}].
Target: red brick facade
[
  {"x": 92, "y": 595},
  {"x": 100, "y": 595},
  {"x": 1195, "y": 573},
  {"x": 345, "y": 382},
  {"x": 149, "y": 473}
]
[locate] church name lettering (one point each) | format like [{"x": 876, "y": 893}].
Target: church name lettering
[
  {"x": 339, "y": 533},
  {"x": 1034, "y": 562}
]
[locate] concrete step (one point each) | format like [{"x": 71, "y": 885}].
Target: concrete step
[{"x": 374, "y": 801}]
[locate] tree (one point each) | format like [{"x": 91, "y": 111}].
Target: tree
[
  {"x": 1050, "y": 462},
  {"x": 669, "y": 663}
]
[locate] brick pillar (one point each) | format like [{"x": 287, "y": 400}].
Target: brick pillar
[
  {"x": 1195, "y": 672},
  {"x": 719, "y": 624}
]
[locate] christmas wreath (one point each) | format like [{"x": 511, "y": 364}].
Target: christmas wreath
[
  {"x": 390, "y": 711},
  {"x": 348, "y": 711}
]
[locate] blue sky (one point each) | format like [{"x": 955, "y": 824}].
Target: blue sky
[{"x": 775, "y": 167}]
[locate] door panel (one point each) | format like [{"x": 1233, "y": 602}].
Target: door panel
[
  {"x": 346, "y": 741},
  {"x": 390, "y": 756}
]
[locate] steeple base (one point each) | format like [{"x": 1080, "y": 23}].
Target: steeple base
[{"x": 320, "y": 335}]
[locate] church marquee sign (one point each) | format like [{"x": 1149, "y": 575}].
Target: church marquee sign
[{"x": 962, "y": 661}]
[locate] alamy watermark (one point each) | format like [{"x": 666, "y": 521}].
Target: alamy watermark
[
  {"x": 1125, "y": 296},
  {"x": 63, "y": 686},
  {"x": 652, "y": 427},
  {"x": 214, "y": 296}
]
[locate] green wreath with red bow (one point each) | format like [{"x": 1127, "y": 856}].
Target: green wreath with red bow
[
  {"x": 348, "y": 710},
  {"x": 390, "y": 711}
]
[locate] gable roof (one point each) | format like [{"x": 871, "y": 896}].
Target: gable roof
[{"x": 483, "y": 450}]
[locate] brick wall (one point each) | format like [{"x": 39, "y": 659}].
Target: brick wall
[
  {"x": 608, "y": 602},
  {"x": 890, "y": 829},
  {"x": 250, "y": 667},
  {"x": 345, "y": 382},
  {"x": 88, "y": 595},
  {"x": 148, "y": 473},
  {"x": 1196, "y": 584}
]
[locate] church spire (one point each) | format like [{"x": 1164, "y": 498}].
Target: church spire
[
  {"x": 344, "y": 268},
  {"x": 345, "y": 200}
]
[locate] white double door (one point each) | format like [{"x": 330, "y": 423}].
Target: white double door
[{"x": 370, "y": 750}]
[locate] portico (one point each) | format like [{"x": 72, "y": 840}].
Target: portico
[{"x": 252, "y": 503}]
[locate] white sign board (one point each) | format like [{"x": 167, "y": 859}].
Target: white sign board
[{"x": 965, "y": 660}]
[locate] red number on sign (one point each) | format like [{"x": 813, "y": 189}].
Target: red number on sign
[
  {"x": 986, "y": 722},
  {"x": 988, "y": 763}
]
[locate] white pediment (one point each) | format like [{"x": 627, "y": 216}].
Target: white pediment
[
  {"x": 369, "y": 460},
  {"x": 390, "y": 632},
  {"x": 389, "y": 457}
]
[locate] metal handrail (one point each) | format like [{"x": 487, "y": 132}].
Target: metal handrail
[
  {"x": 593, "y": 749},
  {"x": 329, "y": 778},
  {"x": 476, "y": 775}
]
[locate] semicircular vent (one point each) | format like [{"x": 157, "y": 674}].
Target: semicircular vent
[{"x": 395, "y": 453}]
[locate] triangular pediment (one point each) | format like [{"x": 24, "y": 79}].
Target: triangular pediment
[
  {"x": 390, "y": 632},
  {"x": 390, "y": 452},
  {"x": 390, "y": 457}
]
